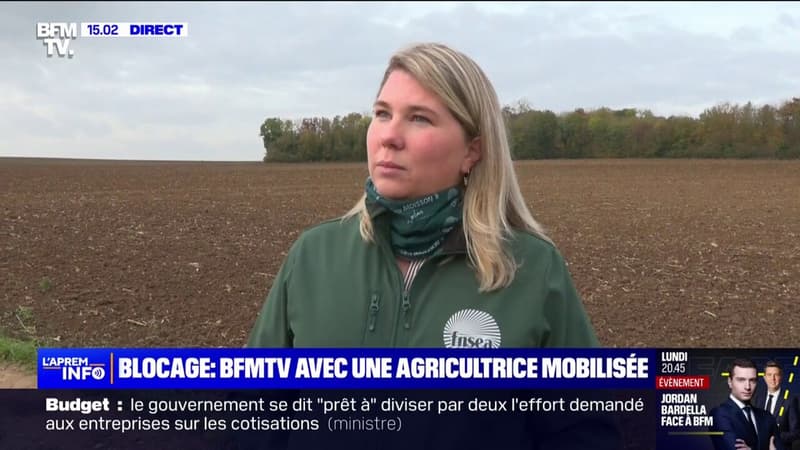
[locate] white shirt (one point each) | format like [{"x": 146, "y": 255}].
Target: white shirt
[
  {"x": 775, "y": 396},
  {"x": 752, "y": 418}
]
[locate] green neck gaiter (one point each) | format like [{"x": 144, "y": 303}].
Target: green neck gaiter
[{"x": 418, "y": 226}]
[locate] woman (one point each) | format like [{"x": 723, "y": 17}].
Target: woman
[{"x": 441, "y": 250}]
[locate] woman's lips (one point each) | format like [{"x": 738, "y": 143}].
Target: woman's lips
[{"x": 390, "y": 165}]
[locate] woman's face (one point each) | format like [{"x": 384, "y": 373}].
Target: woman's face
[{"x": 415, "y": 147}]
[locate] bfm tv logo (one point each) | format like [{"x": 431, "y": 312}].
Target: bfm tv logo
[
  {"x": 75, "y": 368},
  {"x": 56, "y": 36}
]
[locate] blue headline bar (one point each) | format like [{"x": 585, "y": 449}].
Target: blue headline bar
[{"x": 202, "y": 368}]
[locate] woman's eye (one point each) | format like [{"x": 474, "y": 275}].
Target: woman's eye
[
  {"x": 382, "y": 114},
  {"x": 418, "y": 118}
]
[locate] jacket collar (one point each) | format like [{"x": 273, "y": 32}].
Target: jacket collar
[{"x": 455, "y": 242}]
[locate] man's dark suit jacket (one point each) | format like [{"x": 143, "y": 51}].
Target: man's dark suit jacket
[
  {"x": 729, "y": 419},
  {"x": 789, "y": 422}
]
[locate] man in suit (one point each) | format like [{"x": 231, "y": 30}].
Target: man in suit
[
  {"x": 784, "y": 406},
  {"x": 743, "y": 427}
]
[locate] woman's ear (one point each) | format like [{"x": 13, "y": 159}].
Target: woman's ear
[{"x": 474, "y": 154}]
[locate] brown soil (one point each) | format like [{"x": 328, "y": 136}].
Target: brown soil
[
  {"x": 12, "y": 377},
  {"x": 664, "y": 253}
]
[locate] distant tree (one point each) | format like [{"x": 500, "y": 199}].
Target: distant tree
[
  {"x": 722, "y": 131},
  {"x": 534, "y": 134},
  {"x": 789, "y": 120},
  {"x": 271, "y": 131},
  {"x": 576, "y": 137}
]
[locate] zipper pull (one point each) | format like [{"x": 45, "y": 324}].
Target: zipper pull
[
  {"x": 373, "y": 311},
  {"x": 406, "y": 307}
]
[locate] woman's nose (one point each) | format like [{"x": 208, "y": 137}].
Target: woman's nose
[{"x": 391, "y": 134}]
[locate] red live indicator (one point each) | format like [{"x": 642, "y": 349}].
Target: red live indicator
[{"x": 683, "y": 382}]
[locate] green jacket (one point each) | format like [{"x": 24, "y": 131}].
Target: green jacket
[{"x": 335, "y": 290}]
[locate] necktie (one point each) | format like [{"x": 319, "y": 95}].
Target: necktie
[
  {"x": 769, "y": 404},
  {"x": 750, "y": 419}
]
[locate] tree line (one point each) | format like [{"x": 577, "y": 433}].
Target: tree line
[{"x": 723, "y": 131}]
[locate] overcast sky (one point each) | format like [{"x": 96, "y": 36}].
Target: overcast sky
[{"x": 203, "y": 97}]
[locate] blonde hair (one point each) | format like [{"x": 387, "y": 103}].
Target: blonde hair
[{"x": 493, "y": 203}]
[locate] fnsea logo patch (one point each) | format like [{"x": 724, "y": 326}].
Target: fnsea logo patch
[{"x": 471, "y": 328}]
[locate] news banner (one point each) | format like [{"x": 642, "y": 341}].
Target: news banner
[
  {"x": 57, "y": 37},
  {"x": 377, "y": 398}
]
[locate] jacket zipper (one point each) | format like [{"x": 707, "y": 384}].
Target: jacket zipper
[
  {"x": 396, "y": 276},
  {"x": 406, "y": 298},
  {"x": 406, "y": 307},
  {"x": 374, "y": 307}
]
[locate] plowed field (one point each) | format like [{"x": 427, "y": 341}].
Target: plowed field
[{"x": 146, "y": 254}]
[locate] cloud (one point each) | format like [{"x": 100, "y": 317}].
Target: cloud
[
  {"x": 205, "y": 95},
  {"x": 789, "y": 21}
]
